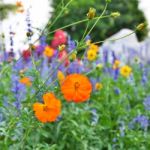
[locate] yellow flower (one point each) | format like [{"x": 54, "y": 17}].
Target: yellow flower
[
  {"x": 93, "y": 47},
  {"x": 91, "y": 55},
  {"x": 61, "y": 47},
  {"x": 73, "y": 56},
  {"x": 88, "y": 42},
  {"x": 125, "y": 71},
  {"x": 116, "y": 64},
  {"x": 98, "y": 86},
  {"x": 49, "y": 52}
]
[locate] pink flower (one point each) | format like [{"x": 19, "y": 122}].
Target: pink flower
[
  {"x": 63, "y": 55},
  {"x": 60, "y": 37}
]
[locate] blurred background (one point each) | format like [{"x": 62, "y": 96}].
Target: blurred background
[{"x": 38, "y": 12}]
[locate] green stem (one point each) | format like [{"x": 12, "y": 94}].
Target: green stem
[
  {"x": 109, "y": 40},
  {"x": 84, "y": 35},
  {"x": 60, "y": 13},
  {"x": 115, "y": 39},
  {"x": 98, "y": 19},
  {"x": 76, "y": 23},
  {"x": 53, "y": 72}
]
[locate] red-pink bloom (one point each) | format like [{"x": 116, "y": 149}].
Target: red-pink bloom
[
  {"x": 63, "y": 55},
  {"x": 26, "y": 54},
  {"x": 60, "y": 37}
]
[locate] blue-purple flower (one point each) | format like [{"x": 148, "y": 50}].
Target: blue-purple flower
[
  {"x": 140, "y": 120},
  {"x": 147, "y": 103}
]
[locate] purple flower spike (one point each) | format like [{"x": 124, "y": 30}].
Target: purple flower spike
[{"x": 147, "y": 103}]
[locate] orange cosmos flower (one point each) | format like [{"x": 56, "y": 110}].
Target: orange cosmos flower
[
  {"x": 26, "y": 81},
  {"x": 50, "y": 110},
  {"x": 76, "y": 87}
]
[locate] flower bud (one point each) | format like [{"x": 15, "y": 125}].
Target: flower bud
[
  {"x": 29, "y": 34},
  {"x": 32, "y": 47},
  {"x": 61, "y": 47},
  {"x": 141, "y": 26},
  {"x": 91, "y": 14},
  {"x": 115, "y": 14},
  {"x": 73, "y": 56},
  {"x": 99, "y": 66}
]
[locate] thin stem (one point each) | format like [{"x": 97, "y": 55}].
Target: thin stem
[
  {"x": 109, "y": 40},
  {"x": 53, "y": 72},
  {"x": 98, "y": 19},
  {"x": 84, "y": 35},
  {"x": 60, "y": 13},
  {"x": 115, "y": 39},
  {"x": 77, "y": 22}
]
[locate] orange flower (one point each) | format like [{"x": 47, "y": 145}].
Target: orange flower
[
  {"x": 50, "y": 110},
  {"x": 76, "y": 87},
  {"x": 116, "y": 64},
  {"x": 26, "y": 81},
  {"x": 19, "y": 4},
  {"x": 49, "y": 52}
]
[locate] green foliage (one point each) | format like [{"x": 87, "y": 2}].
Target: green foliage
[
  {"x": 5, "y": 9},
  {"x": 74, "y": 130},
  {"x": 130, "y": 17}
]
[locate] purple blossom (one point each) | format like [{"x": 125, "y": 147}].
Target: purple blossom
[
  {"x": 117, "y": 91},
  {"x": 140, "y": 120},
  {"x": 116, "y": 74},
  {"x": 44, "y": 69},
  {"x": 19, "y": 91},
  {"x": 105, "y": 55},
  {"x": 75, "y": 67},
  {"x": 87, "y": 38},
  {"x": 18, "y": 65},
  {"x": 43, "y": 40},
  {"x": 113, "y": 56},
  {"x": 39, "y": 50},
  {"x": 147, "y": 103},
  {"x": 71, "y": 45}
]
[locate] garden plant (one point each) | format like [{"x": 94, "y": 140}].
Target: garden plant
[{"x": 62, "y": 94}]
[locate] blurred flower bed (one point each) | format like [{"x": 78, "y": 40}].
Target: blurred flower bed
[
  {"x": 69, "y": 95},
  {"x": 53, "y": 97}
]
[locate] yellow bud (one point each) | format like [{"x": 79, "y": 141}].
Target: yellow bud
[
  {"x": 141, "y": 26},
  {"x": 60, "y": 76},
  {"x": 99, "y": 66},
  {"x": 91, "y": 14},
  {"x": 73, "y": 56},
  {"x": 115, "y": 14},
  {"x": 61, "y": 47},
  {"x": 98, "y": 86}
]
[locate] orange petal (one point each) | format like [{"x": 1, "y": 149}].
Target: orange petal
[
  {"x": 48, "y": 97},
  {"x": 38, "y": 107}
]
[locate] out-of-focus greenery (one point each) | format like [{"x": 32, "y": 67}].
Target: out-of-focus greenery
[
  {"x": 5, "y": 9},
  {"x": 77, "y": 10}
]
